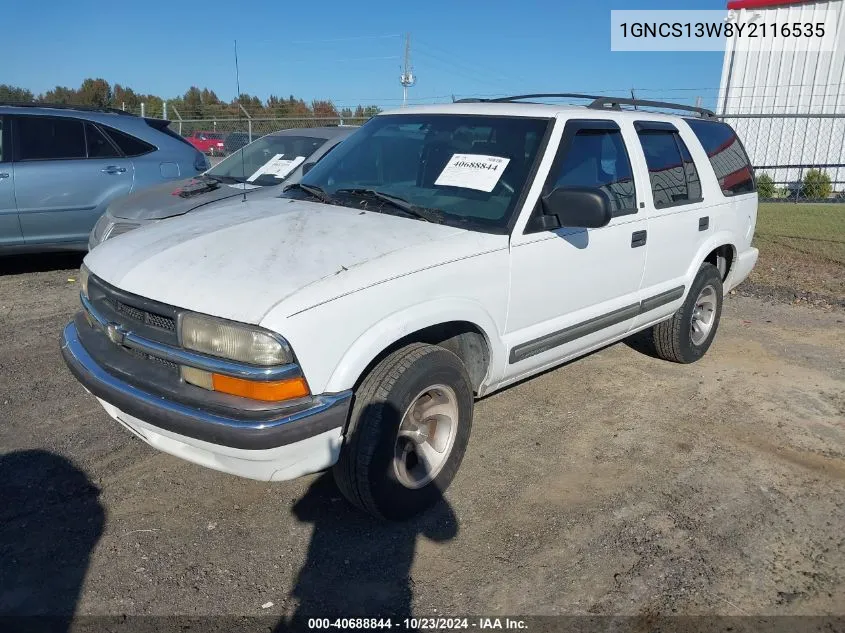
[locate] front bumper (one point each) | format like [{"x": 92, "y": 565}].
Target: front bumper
[{"x": 210, "y": 433}]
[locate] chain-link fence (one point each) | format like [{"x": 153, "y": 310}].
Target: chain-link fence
[
  {"x": 796, "y": 157},
  {"x": 253, "y": 128}
]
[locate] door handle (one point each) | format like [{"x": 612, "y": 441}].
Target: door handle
[
  {"x": 113, "y": 169},
  {"x": 4, "y": 175},
  {"x": 638, "y": 238}
]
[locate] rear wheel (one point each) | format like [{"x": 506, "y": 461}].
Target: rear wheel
[
  {"x": 687, "y": 336},
  {"x": 408, "y": 431}
]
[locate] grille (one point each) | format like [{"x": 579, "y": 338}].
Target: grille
[
  {"x": 161, "y": 361},
  {"x": 142, "y": 316}
]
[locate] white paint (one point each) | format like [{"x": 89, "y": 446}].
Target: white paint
[
  {"x": 341, "y": 285},
  {"x": 276, "y": 464},
  {"x": 473, "y": 171}
]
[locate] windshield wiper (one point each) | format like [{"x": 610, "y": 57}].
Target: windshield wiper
[
  {"x": 429, "y": 215},
  {"x": 312, "y": 190}
]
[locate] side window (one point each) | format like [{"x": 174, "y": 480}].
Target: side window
[
  {"x": 2, "y": 134},
  {"x": 129, "y": 145},
  {"x": 45, "y": 138},
  {"x": 596, "y": 157},
  {"x": 693, "y": 182},
  {"x": 726, "y": 154},
  {"x": 665, "y": 167},
  {"x": 98, "y": 145}
]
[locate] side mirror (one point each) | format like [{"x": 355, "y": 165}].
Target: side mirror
[
  {"x": 307, "y": 167},
  {"x": 578, "y": 207}
]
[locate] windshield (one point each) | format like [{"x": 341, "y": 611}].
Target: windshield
[
  {"x": 468, "y": 169},
  {"x": 267, "y": 161}
]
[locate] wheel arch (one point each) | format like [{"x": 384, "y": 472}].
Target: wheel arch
[{"x": 465, "y": 329}]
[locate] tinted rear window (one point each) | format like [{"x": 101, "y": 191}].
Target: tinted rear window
[
  {"x": 726, "y": 154},
  {"x": 128, "y": 144}
]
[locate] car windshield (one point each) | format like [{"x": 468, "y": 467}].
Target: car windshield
[
  {"x": 267, "y": 161},
  {"x": 463, "y": 170}
]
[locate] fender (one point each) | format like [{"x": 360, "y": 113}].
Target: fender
[
  {"x": 721, "y": 238},
  {"x": 412, "y": 319}
]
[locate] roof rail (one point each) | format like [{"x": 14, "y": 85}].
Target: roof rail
[
  {"x": 598, "y": 102},
  {"x": 614, "y": 103},
  {"x": 63, "y": 106}
]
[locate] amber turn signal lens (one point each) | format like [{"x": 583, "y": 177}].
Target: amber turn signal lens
[{"x": 268, "y": 391}]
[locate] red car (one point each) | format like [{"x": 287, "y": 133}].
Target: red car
[{"x": 207, "y": 142}]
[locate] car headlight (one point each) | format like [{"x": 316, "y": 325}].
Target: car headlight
[
  {"x": 83, "y": 279},
  {"x": 234, "y": 341},
  {"x": 119, "y": 228}
]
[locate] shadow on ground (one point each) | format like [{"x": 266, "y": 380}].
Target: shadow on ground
[
  {"x": 39, "y": 262},
  {"x": 358, "y": 566},
  {"x": 50, "y": 520}
]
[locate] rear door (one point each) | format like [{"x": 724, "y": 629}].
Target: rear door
[
  {"x": 678, "y": 221},
  {"x": 66, "y": 173},
  {"x": 10, "y": 228}
]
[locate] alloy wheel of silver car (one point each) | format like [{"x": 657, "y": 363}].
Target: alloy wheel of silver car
[{"x": 426, "y": 436}]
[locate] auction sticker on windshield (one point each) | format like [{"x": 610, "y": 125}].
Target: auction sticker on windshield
[
  {"x": 278, "y": 166},
  {"x": 473, "y": 171}
]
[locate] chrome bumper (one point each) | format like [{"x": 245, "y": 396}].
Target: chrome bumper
[{"x": 326, "y": 412}]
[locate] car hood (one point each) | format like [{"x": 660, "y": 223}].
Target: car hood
[
  {"x": 244, "y": 258},
  {"x": 165, "y": 201}
]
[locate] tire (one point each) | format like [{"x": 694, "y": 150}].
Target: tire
[
  {"x": 676, "y": 340},
  {"x": 381, "y": 472}
]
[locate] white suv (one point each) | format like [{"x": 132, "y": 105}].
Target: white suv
[{"x": 437, "y": 255}]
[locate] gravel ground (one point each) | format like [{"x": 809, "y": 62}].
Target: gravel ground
[{"x": 618, "y": 484}]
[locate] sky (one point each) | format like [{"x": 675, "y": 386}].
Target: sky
[{"x": 348, "y": 52}]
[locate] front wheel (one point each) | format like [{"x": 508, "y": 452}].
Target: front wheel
[
  {"x": 408, "y": 431},
  {"x": 687, "y": 336}
]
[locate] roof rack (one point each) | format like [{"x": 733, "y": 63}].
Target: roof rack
[
  {"x": 63, "y": 106},
  {"x": 599, "y": 102}
]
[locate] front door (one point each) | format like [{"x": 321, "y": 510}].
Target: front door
[
  {"x": 572, "y": 288},
  {"x": 66, "y": 174}
]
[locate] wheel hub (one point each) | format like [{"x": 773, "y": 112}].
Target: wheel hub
[
  {"x": 426, "y": 436},
  {"x": 703, "y": 315}
]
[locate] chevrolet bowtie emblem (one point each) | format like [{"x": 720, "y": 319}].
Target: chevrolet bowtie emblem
[{"x": 115, "y": 333}]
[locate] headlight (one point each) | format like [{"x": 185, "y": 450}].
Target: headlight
[
  {"x": 83, "y": 279},
  {"x": 234, "y": 341},
  {"x": 119, "y": 228}
]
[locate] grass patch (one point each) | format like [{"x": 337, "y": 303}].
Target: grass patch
[
  {"x": 813, "y": 229},
  {"x": 802, "y": 249}
]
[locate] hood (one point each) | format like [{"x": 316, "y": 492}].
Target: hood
[
  {"x": 243, "y": 259},
  {"x": 165, "y": 201}
]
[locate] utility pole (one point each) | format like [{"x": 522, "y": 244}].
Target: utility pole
[{"x": 407, "y": 78}]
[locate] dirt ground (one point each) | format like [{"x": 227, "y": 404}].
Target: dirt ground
[{"x": 618, "y": 484}]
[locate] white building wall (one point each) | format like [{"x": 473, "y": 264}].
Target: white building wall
[{"x": 798, "y": 80}]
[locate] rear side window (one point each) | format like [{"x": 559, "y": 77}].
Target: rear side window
[
  {"x": 46, "y": 138},
  {"x": 674, "y": 179},
  {"x": 597, "y": 158},
  {"x": 98, "y": 145},
  {"x": 128, "y": 144},
  {"x": 726, "y": 154}
]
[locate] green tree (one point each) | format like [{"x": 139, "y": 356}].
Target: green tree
[
  {"x": 61, "y": 94},
  {"x": 14, "y": 94},
  {"x": 766, "y": 187},
  {"x": 95, "y": 92},
  {"x": 816, "y": 185},
  {"x": 346, "y": 113}
]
